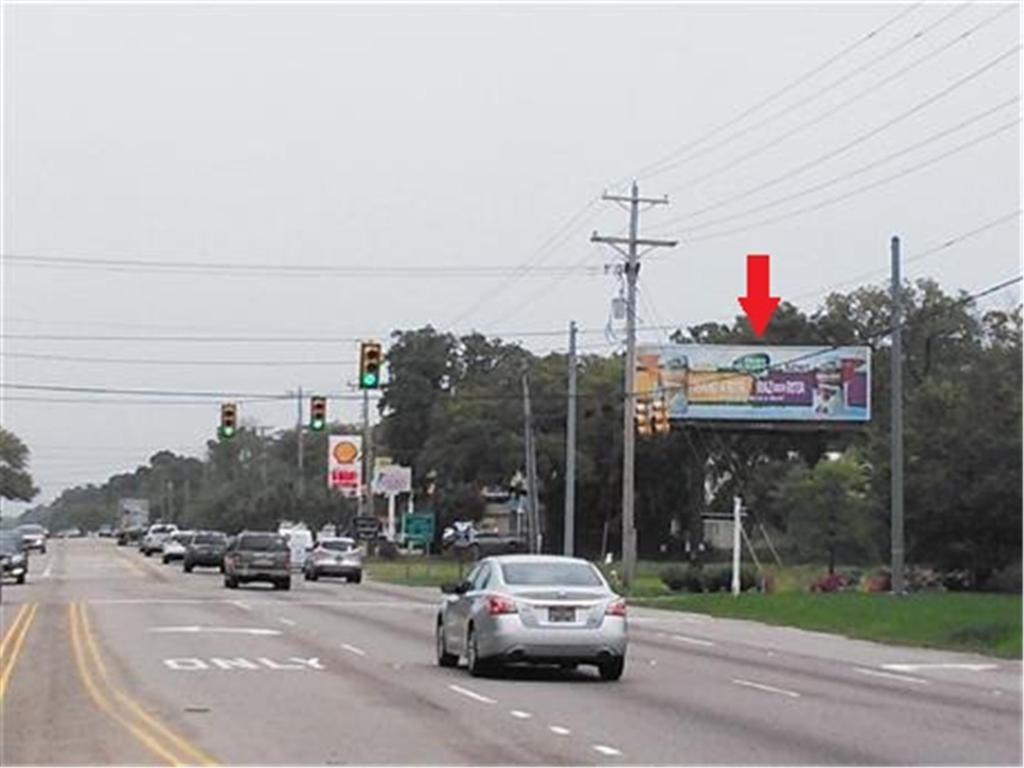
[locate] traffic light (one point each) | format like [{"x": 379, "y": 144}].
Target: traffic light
[
  {"x": 317, "y": 413},
  {"x": 228, "y": 420},
  {"x": 659, "y": 415},
  {"x": 369, "y": 365},
  {"x": 643, "y": 418}
]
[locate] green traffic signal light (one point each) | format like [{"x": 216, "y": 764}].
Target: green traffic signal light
[
  {"x": 227, "y": 431},
  {"x": 369, "y": 380}
]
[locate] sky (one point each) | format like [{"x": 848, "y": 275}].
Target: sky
[{"x": 444, "y": 165}]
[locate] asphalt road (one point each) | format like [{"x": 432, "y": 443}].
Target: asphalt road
[{"x": 112, "y": 658}]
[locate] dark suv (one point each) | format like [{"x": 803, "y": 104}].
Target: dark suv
[
  {"x": 258, "y": 556},
  {"x": 205, "y": 548}
]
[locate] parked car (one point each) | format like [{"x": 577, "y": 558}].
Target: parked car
[
  {"x": 153, "y": 541},
  {"x": 33, "y": 536},
  {"x": 13, "y": 559},
  {"x": 105, "y": 531},
  {"x": 537, "y": 609},
  {"x": 205, "y": 549},
  {"x": 173, "y": 547},
  {"x": 258, "y": 556},
  {"x": 335, "y": 557}
]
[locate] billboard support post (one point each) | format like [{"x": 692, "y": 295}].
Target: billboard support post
[
  {"x": 737, "y": 508},
  {"x": 897, "y": 423}
]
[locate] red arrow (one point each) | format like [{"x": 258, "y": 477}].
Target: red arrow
[{"x": 758, "y": 305}]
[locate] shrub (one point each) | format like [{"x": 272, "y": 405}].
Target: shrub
[
  {"x": 1006, "y": 579},
  {"x": 387, "y": 550},
  {"x": 680, "y": 578},
  {"x": 720, "y": 579}
]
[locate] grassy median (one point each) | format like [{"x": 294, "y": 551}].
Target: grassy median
[{"x": 986, "y": 623}]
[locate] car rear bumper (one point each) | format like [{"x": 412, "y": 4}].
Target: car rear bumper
[
  {"x": 508, "y": 638},
  {"x": 331, "y": 569},
  {"x": 174, "y": 555},
  {"x": 208, "y": 561},
  {"x": 260, "y": 574}
]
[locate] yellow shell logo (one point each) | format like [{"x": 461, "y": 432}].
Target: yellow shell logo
[{"x": 345, "y": 452}]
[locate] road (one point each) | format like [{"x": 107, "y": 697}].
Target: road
[{"x": 112, "y": 658}]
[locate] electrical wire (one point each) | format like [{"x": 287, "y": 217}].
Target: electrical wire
[{"x": 154, "y": 361}]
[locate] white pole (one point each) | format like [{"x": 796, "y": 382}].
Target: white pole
[
  {"x": 737, "y": 505},
  {"x": 391, "y": 517}
]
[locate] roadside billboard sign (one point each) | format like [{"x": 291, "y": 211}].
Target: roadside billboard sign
[
  {"x": 392, "y": 479},
  {"x": 345, "y": 463},
  {"x": 757, "y": 383}
]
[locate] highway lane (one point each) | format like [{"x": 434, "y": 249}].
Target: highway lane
[{"x": 337, "y": 673}]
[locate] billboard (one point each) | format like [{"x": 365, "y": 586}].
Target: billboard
[
  {"x": 345, "y": 463},
  {"x": 133, "y": 513},
  {"x": 757, "y": 383}
]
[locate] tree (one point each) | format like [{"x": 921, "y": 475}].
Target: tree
[{"x": 15, "y": 480}]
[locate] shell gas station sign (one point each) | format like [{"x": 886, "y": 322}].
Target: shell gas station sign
[{"x": 345, "y": 463}]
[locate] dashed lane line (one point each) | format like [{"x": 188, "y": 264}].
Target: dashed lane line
[
  {"x": 287, "y": 622},
  {"x": 606, "y": 750},
  {"x": 472, "y": 694},
  {"x": 353, "y": 649},
  {"x": 767, "y": 688},
  {"x": 692, "y": 640},
  {"x": 892, "y": 676},
  {"x": 520, "y": 714},
  {"x": 559, "y": 730}
]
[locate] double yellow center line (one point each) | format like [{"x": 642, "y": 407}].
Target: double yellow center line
[
  {"x": 149, "y": 731},
  {"x": 10, "y": 646}
]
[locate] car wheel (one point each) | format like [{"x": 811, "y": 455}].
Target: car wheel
[
  {"x": 230, "y": 583},
  {"x": 358, "y": 578},
  {"x": 444, "y": 659},
  {"x": 21, "y": 579},
  {"x": 612, "y": 670},
  {"x": 313, "y": 575},
  {"x": 166, "y": 559},
  {"x": 222, "y": 567},
  {"x": 187, "y": 567},
  {"x": 284, "y": 584},
  {"x": 305, "y": 575},
  {"x": 42, "y": 551},
  {"x": 477, "y": 667}
]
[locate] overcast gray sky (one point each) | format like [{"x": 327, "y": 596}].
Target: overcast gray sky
[{"x": 460, "y": 136}]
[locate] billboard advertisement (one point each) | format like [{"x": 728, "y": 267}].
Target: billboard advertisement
[{"x": 757, "y": 383}]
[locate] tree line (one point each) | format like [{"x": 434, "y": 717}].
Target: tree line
[{"x": 452, "y": 410}]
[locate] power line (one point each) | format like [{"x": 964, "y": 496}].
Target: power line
[
  {"x": 163, "y": 361},
  {"x": 858, "y": 171},
  {"x": 858, "y": 190},
  {"x": 655, "y": 167},
  {"x": 870, "y": 90},
  {"x": 825, "y": 89},
  {"x": 859, "y": 139}
]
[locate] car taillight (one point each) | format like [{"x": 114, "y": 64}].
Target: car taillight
[
  {"x": 497, "y": 605},
  {"x": 616, "y": 608}
]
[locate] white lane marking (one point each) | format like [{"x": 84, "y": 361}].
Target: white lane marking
[
  {"x": 242, "y": 605},
  {"x": 472, "y": 694},
  {"x": 49, "y": 569},
  {"x": 192, "y": 664},
  {"x": 916, "y": 667},
  {"x": 559, "y": 730},
  {"x": 767, "y": 688},
  {"x": 605, "y": 750},
  {"x": 137, "y": 601},
  {"x": 192, "y": 630},
  {"x": 692, "y": 640},
  {"x": 520, "y": 714},
  {"x": 353, "y": 649},
  {"x": 891, "y": 676},
  {"x": 287, "y": 622}
]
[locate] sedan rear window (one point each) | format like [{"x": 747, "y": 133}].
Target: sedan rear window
[
  {"x": 337, "y": 546},
  {"x": 263, "y": 543},
  {"x": 551, "y": 574},
  {"x": 209, "y": 538}
]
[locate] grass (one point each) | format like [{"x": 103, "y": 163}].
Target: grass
[{"x": 959, "y": 621}]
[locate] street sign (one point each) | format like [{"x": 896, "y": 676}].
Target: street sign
[
  {"x": 419, "y": 528},
  {"x": 366, "y": 527},
  {"x": 345, "y": 463},
  {"x": 392, "y": 479}
]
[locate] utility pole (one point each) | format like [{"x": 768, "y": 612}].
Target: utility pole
[
  {"x": 898, "y": 585},
  {"x": 300, "y": 450},
  {"x": 737, "y": 529},
  {"x": 632, "y": 269},
  {"x": 533, "y": 514},
  {"x": 569, "y": 529},
  {"x": 365, "y": 497}
]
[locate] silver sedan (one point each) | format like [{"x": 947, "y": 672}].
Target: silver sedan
[{"x": 536, "y": 609}]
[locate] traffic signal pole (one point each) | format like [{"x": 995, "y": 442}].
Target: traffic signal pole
[
  {"x": 300, "y": 453},
  {"x": 568, "y": 530},
  {"x": 897, "y": 580},
  {"x": 632, "y": 270}
]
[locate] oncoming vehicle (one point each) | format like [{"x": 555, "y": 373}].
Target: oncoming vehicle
[
  {"x": 34, "y": 536},
  {"x": 153, "y": 541},
  {"x": 205, "y": 549},
  {"x": 532, "y": 609},
  {"x": 258, "y": 556},
  {"x": 173, "y": 547},
  {"x": 13, "y": 560},
  {"x": 335, "y": 557}
]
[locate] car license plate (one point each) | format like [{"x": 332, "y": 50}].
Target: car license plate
[
  {"x": 561, "y": 613},
  {"x": 262, "y": 563}
]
